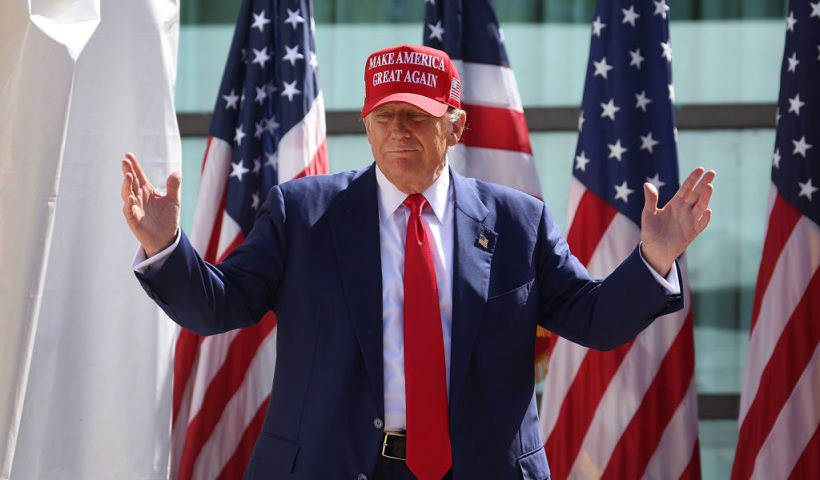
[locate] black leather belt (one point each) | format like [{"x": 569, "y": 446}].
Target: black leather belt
[{"x": 394, "y": 446}]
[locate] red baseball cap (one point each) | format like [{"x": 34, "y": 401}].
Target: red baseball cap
[{"x": 421, "y": 76}]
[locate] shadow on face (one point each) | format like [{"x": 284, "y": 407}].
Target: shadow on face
[{"x": 410, "y": 145}]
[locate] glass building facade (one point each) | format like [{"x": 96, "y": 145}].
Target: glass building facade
[{"x": 726, "y": 57}]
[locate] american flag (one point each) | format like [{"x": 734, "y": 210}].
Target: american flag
[
  {"x": 496, "y": 143},
  {"x": 630, "y": 412},
  {"x": 268, "y": 127},
  {"x": 780, "y": 399}
]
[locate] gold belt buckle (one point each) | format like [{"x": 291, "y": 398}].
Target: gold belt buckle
[{"x": 384, "y": 445}]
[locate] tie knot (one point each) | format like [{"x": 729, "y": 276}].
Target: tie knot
[{"x": 416, "y": 203}]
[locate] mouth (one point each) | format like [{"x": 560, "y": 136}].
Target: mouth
[{"x": 402, "y": 150}]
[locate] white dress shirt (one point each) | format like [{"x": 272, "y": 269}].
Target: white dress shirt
[
  {"x": 439, "y": 223},
  {"x": 393, "y": 217}
]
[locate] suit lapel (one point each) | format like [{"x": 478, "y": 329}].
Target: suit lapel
[
  {"x": 356, "y": 238},
  {"x": 472, "y": 257}
]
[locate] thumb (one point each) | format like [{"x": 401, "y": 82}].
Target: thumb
[
  {"x": 650, "y": 195},
  {"x": 172, "y": 185}
]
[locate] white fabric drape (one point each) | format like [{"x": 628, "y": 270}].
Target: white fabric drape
[{"x": 85, "y": 356}]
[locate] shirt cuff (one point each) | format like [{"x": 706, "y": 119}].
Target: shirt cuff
[
  {"x": 671, "y": 283},
  {"x": 142, "y": 264}
]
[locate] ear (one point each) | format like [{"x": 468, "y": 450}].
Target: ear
[{"x": 456, "y": 130}]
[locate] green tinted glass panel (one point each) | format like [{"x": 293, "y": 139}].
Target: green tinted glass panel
[{"x": 509, "y": 11}]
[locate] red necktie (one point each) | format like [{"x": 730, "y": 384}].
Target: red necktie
[{"x": 428, "y": 431}]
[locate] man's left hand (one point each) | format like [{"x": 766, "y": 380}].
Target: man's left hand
[{"x": 667, "y": 231}]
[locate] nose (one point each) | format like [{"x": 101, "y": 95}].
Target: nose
[{"x": 398, "y": 127}]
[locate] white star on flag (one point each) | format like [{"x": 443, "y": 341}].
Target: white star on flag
[
  {"x": 622, "y": 192},
  {"x": 616, "y": 150},
  {"x": 661, "y": 8},
  {"x": 240, "y": 134},
  {"x": 609, "y": 109},
  {"x": 314, "y": 61},
  {"x": 641, "y": 100},
  {"x": 261, "y": 95},
  {"x": 292, "y": 54},
  {"x": 257, "y": 165},
  {"x": 776, "y": 158},
  {"x": 597, "y": 26},
  {"x": 656, "y": 181},
  {"x": 294, "y": 19},
  {"x": 581, "y": 162},
  {"x": 629, "y": 15},
  {"x": 259, "y": 129},
  {"x": 667, "y": 51},
  {"x": 261, "y": 56},
  {"x": 272, "y": 160},
  {"x": 436, "y": 31},
  {"x": 648, "y": 143},
  {"x": 238, "y": 169},
  {"x": 800, "y": 146},
  {"x": 254, "y": 200},
  {"x": 815, "y": 10},
  {"x": 581, "y": 121},
  {"x": 259, "y": 21},
  {"x": 790, "y": 22},
  {"x": 271, "y": 125},
  {"x": 231, "y": 100},
  {"x": 793, "y": 61},
  {"x": 795, "y": 104},
  {"x": 806, "y": 189},
  {"x": 635, "y": 58},
  {"x": 601, "y": 68},
  {"x": 290, "y": 90},
  {"x": 671, "y": 92}
]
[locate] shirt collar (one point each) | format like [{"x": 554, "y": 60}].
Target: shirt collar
[{"x": 390, "y": 197}]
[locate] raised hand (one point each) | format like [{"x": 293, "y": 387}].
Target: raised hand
[
  {"x": 666, "y": 232},
  {"x": 152, "y": 216}
]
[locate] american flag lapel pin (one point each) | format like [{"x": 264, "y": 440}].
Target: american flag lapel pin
[{"x": 483, "y": 241}]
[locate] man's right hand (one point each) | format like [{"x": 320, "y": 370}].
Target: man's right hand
[{"x": 152, "y": 216}]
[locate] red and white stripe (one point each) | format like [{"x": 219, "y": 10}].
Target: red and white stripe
[
  {"x": 496, "y": 144},
  {"x": 630, "y": 412},
  {"x": 780, "y": 399},
  {"x": 222, "y": 382}
]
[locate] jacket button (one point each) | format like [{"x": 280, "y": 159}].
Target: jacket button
[
  {"x": 378, "y": 423},
  {"x": 361, "y": 477}
]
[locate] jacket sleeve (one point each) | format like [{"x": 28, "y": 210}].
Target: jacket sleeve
[
  {"x": 212, "y": 299},
  {"x": 600, "y": 314}
]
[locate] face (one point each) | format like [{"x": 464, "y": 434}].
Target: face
[{"x": 409, "y": 145}]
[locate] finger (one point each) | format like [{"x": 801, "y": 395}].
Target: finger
[
  {"x": 125, "y": 192},
  {"x": 704, "y": 195},
  {"x": 136, "y": 191},
  {"x": 140, "y": 173},
  {"x": 650, "y": 196},
  {"x": 703, "y": 221},
  {"x": 125, "y": 165},
  {"x": 129, "y": 209},
  {"x": 173, "y": 184},
  {"x": 689, "y": 184}
]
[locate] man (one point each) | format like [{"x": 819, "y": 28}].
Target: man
[{"x": 407, "y": 296}]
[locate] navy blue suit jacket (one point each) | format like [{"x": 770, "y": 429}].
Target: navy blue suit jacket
[{"x": 313, "y": 258}]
